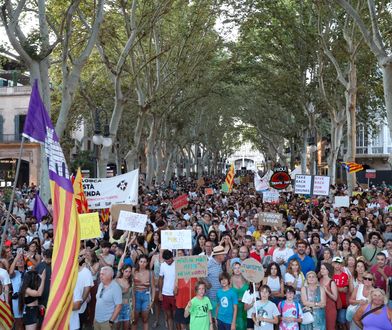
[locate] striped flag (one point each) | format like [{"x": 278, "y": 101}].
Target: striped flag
[
  {"x": 6, "y": 317},
  {"x": 352, "y": 167},
  {"x": 230, "y": 177},
  {"x": 105, "y": 215},
  {"x": 38, "y": 127},
  {"x": 80, "y": 198}
]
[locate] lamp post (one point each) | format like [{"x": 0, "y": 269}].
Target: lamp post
[{"x": 100, "y": 139}]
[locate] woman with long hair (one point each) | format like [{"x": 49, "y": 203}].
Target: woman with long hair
[
  {"x": 142, "y": 297},
  {"x": 295, "y": 278},
  {"x": 124, "y": 279},
  {"x": 356, "y": 248},
  {"x": 344, "y": 249},
  {"x": 155, "y": 265},
  {"x": 155, "y": 244},
  {"x": 360, "y": 269},
  {"x": 200, "y": 245},
  {"x": 213, "y": 237},
  {"x": 273, "y": 278},
  {"x": 91, "y": 262},
  {"x": 239, "y": 285},
  {"x": 249, "y": 298},
  {"x": 32, "y": 256},
  {"x": 31, "y": 289},
  {"x": 350, "y": 263},
  {"x": 313, "y": 297},
  {"x": 331, "y": 294}
]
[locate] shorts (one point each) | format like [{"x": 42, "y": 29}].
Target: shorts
[
  {"x": 179, "y": 316},
  {"x": 223, "y": 326},
  {"x": 250, "y": 324},
  {"x": 341, "y": 316},
  {"x": 142, "y": 300},
  {"x": 125, "y": 313},
  {"x": 168, "y": 303},
  {"x": 30, "y": 315}
]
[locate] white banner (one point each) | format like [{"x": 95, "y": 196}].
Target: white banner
[
  {"x": 303, "y": 184},
  {"x": 271, "y": 197},
  {"x": 321, "y": 185},
  {"x": 342, "y": 201},
  {"x": 132, "y": 221},
  {"x": 262, "y": 184},
  {"x": 176, "y": 239},
  {"x": 102, "y": 193}
]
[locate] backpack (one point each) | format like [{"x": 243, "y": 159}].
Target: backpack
[{"x": 282, "y": 304}]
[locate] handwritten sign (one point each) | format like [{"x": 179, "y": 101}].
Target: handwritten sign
[
  {"x": 303, "y": 184},
  {"x": 176, "y": 239},
  {"x": 89, "y": 225},
  {"x": 180, "y": 202},
  {"x": 208, "y": 191},
  {"x": 342, "y": 201},
  {"x": 191, "y": 266},
  {"x": 321, "y": 185},
  {"x": 115, "y": 210},
  {"x": 252, "y": 270},
  {"x": 132, "y": 221},
  {"x": 271, "y": 197},
  {"x": 270, "y": 219}
]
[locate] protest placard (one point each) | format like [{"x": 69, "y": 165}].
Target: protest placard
[
  {"x": 176, "y": 239},
  {"x": 271, "y": 196},
  {"x": 270, "y": 219},
  {"x": 191, "y": 266},
  {"x": 89, "y": 225},
  {"x": 342, "y": 201},
  {"x": 321, "y": 185},
  {"x": 132, "y": 221},
  {"x": 200, "y": 182},
  {"x": 303, "y": 184},
  {"x": 115, "y": 210},
  {"x": 252, "y": 270},
  {"x": 180, "y": 202},
  {"x": 208, "y": 191}
]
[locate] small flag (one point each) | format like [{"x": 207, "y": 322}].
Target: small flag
[
  {"x": 225, "y": 187},
  {"x": 6, "y": 317},
  {"x": 230, "y": 177},
  {"x": 39, "y": 209},
  {"x": 104, "y": 215},
  {"x": 352, "y": 167},
  {"x": 80, "y": 198}
]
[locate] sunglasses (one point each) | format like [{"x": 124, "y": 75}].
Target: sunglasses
[
  {"x": 101, "y": 293},
  {"x": 368, "y": 278}
]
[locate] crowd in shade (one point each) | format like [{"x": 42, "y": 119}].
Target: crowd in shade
[{"x": 325, "y": 267}]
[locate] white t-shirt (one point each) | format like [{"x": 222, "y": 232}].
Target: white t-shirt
[
  {"x": 266, "y": 310},
  {"x": 249, "y": 298},
  {"x": 74, "y": 323},
  {"x": 288, "y": 278},
  {"x": 4, "y": 277},
  {"x": 284, "y": 254},
  {"x": 85, "y": 278},
  {"x": 169, "y": 275}
]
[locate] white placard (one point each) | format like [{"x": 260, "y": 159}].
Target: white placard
[
  {"x": 271, "y": 197},
  {"x": 176, "y": 239},
  {"x": 321, "y": 185},
  {"x": 102, "y": 193},
  {"x": 342, "y": 201},
  {"x": 303, "y": 184},
  {"x": 132, "y": 221}
]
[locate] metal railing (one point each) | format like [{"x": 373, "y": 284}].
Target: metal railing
[{"x": 17, "y": 90}]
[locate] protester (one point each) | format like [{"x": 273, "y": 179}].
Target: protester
[
  {"x": 265, "y": 313},
  {"x": 226, "y": 308},
  {"x": 290, "y": 311},
  {"x": 167, "y": 275}
]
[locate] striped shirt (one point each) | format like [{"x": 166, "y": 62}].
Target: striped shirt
[{"x": 214, "y": 270}]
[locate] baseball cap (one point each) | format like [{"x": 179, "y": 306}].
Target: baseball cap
[{"x": 337, "y": 259}]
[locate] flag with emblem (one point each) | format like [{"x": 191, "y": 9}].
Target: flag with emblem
[
  {"x": 6, "y": 317},
  {"x": 230, "y": 178},
  {"x": 80, "y": 198},
  {"x": 352, "y": 167},
  {"x": 38, "y": 127}
]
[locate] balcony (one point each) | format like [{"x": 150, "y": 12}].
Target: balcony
[
  {"x": 17, "y": 90},
  {"x": 10, "y": 138}
]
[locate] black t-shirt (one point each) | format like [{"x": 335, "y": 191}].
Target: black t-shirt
[{"x": 43, "y": 300}]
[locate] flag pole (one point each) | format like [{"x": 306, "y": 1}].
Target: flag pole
[{"x": 7, "y": 219}]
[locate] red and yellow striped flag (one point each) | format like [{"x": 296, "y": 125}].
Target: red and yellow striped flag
[
  {"x": 38, "y": 127},
  {"x": 230, "y": 177},
  {"x": 105, "y": 215},
  {"x": 6, "y": 317},
  {"x": 352, "y": 167},
  {"x": 80, "y": 198}
]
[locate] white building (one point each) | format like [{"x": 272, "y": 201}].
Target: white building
[{"x": 247, "y": 157}]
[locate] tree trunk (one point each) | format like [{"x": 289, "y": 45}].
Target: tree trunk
[
  {"x": 188, "y": 163},
  {"x": 304, "y": 152},
  {"x": 336, "y": 140},
  {"x": 387, "y": 82},
  {"x": 132, "y": 157},
  {"x": 169, "y": 167},
  {"x": 150, "y": 149}
]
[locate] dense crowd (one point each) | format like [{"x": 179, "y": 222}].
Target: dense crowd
[{"x": 325, "y": 267}]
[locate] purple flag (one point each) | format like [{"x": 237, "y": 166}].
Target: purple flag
[
  {"x": 38, "y": 127},
  {"x": 39, "y": 209}
]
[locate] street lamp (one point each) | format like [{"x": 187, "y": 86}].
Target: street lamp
[{"x": 99, "y": 139}]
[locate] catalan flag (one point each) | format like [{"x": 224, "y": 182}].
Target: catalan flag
[
  {"x": 104, "y": 215},
  {"x": 352, "y": 167},
  {"x": 230, "y": 177},
  {"x": 38, "y": 127},
  {"x": 6, "y": 317},
  {"x": 80, "y": 198}
]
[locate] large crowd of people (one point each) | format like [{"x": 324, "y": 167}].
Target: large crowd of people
[{"x": 324, "y": 267}]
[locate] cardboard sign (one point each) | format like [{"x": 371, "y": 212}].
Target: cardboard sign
[
  {"x": 271, "y": 197},
  {"x": 176, "y": 239},
  {"x": 191, "y": 266},
  {"x": 89, "y": 225},
  {"x": 270, "y": 219},
  {"x": 321, "y": 185},
  {"x": 200, "y": 182},
  {"x": 115, "y": 210},
  {"x": 252, "y": 270},
  {"x": 180, "y": 202},
  {"x": 208, "y": 191},
  {"x": 342, "y": 201},
  {"x": 303, "y": 184},
  {"x": 132, "y": 221}
]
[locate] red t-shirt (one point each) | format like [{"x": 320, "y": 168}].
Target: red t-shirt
[
  {"x": 380, "y": 281},
  {"x": 185, "y": 292},
  {"x": 256, "y": 256},
  {"x": 341, "y": 281}
]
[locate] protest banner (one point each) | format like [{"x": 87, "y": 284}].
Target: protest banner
[
  {"x": 200, "y": 182},
  {"x": 89, "y": 225},
  {"x": 271, "y": 196},
  {"x": 176, "y": 239},
  {"x": 180, "y": 202},
  {"x": 311, "y": 185},
  {"x": 303, "y": 184},
  {"x": 191, "y": 266},
  {"x": 270, "y": 219},
  {"x": 115, "y": 210},
  {"x": 102, "y": 193},
  {"x": 208, "y": 191},
  {"x": 132, "y": 221},
  {"x": 342, "y": 201},
  {"x": 321, "y": 185},
  {"x": 252, "y": 270}
]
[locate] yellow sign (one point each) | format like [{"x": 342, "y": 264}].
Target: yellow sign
[{"x": 89, "y": 225}]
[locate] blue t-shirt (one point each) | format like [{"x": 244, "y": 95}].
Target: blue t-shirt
[
  {"x": 306, "y": 265},
  {"x": 226, "y": 301}
]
